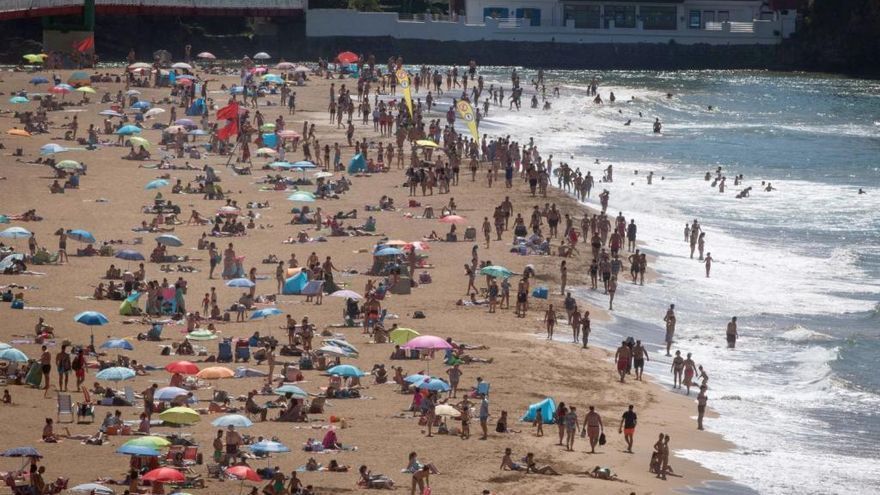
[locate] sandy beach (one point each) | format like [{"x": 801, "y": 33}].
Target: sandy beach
[{"x": 525, "y": 367}]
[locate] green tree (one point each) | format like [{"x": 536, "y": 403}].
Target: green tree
[{"x": 364, "y": 5}]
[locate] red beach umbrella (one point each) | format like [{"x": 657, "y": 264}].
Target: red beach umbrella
[
  {"x": 182, "y": 367},
  {"x": 243, "y": 473},
  {"x": 164, "y": 475},
  {"x": 347, "y": 58}
]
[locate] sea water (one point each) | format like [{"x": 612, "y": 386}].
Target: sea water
[{"x": 798, "y": 266}]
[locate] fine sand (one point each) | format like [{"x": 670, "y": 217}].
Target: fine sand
[{"x": 526, "y": 367}]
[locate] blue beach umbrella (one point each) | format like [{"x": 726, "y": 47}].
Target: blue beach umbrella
[
  {"x": 21, "y": 452},
  {"x": 128, "y": 130},
  {"x": 95, "y": 488},
  {"x": 15, "y": 233},
  {"x": 39, "y": 80},
  {"x": 130, "y": 255},
  {"x": 268, "y": 446},
  {"x": 236, "y": 420},
  {"x": 346, "y": 370},
  {"x": 241, "y": 283},
  {"x": 302, "y": 197},
  {"x": 264, "y": 313},
  {"x": 388, "y": 251},
  {"x": 156, "y": 184},
  {"x": 17, "y": 100},
  {"x": 169, "y": 240},
  {"x": 434, "y": 385},
  {"x": 138, "y": 450},
  {"x": 292, "y": 390},
  {"x": 282, "y": 165},
  {"x": 141, "y": 105},
  {"x": 115, "y": 374},
  {"x": 52, "y": 148},
  {"x": 10, "y": 260},
  {"x": 496, "y": 271},
  {"x": 197, "y": 132},
  {"x": 117, "y": 344},
  {"x": 169, "y": 393},
  {"x": 111, "y": 113},
  {"x": 4, "y": 346},
  {"x": 91, "y": 318},
  {"x": 81, "y": 235},
  {"x": 417, "y": 378},
  {"x": 13, "y": 355}
]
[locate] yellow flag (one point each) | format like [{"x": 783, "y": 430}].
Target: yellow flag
[
  {"x": 403, "y": 82},
  {"x": 466, "y": 112}
]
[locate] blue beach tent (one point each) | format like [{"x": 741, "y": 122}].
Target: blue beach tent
[{"x": 547, "y": 409}]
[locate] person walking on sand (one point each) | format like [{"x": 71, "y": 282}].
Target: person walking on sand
[
  {"x": 677, "y": 369},
  {"x": 571, "y": 427},
  {"x": 550, "y": 321},
  {"x": 487, "y": 230},
  {"x": 640, "y": 355},
  {"x": 670, "y": 327},
  {"x": 628, "y": 427},
  {"x": 280, "y": 272},
  {"x": 702, "y": 398},
  {"x": 593, "y": 427},
  {"x": 585, "y": 328},
  {"x": 622, "y": 358},
  {"x": 732, "y": 333}
]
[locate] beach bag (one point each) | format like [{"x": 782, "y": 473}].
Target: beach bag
[
  {"x": 540, "y": 293},
  {"x": 418, "y": 315},
  {"x": 602, "y": 439},
  {"x": 18, "y": 304}
]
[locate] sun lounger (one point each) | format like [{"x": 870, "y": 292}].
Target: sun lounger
[{"x": 65, "y": 406}]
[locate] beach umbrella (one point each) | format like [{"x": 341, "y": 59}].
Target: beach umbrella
[
  {"x": 182, "y": 81},
  {"x": 262, "y": 56},
  {"x": 151, "y": 441},
  {"x": 180, "y": 416},
  {"x": 346, "y": 370},
  {"x": 111, "y": 113},
  {"x": 7, "y": 262},
  {"x": 236, "y": 420},
  {"x": 427, "y": 143},
  {"x": 86, "y": 89},
  {"x": 446, "y": 410},
  {"x": 301, "y": 68},
  {"x": 4, "y": 346},
  {"x": 140, "y": 65},
  {"x": 496, "y": 271},
  {"x": 197, "y": 132},
  {"x": 240, "y": 283},
  {"x": 38, "y": 80},
  {"x": 417, "y": 245},
  {"x": 21, "y": 452},
  {"x": 433, "y": 384},
  {"x": 288, "y": 134},
  {"x": 322, "y": 175},
  {"x": 169, "y": 393},
  {"x": 264, "y": 313},
  {"x": 417, "y": 378},
  {"x": 156, "y": 184},
  {"x": 206, "y": 55},
  {"x": 215, "y": 373},
  {"x": 284, "y": 165},
  {"x": 17, "y": 100},
  {"x": 95, "y": 488},
  {"x": 453, "y": 219},
  {"x": 185, "y": 122},
  {"x": 128, "y": 130},
  {"x": 284, "y": 66},
  {"x": 35, "y": 58},
  {"x": 302, "y": 197},
  {"x": 169, "y": 240},
  {"x": 201, "y": 334},
  {"x": 52, "y": 148},
  {"x": 139, "y": 141},
  {"x": 141, "y": 105},
  {"x": 228, "y": 211},
  {"x": 68, "y": 165},
  {"x": 266, "y": 151},
  {"x": 268, "y": 446},
  {"x": 138, "y": 450},
  {"x": 174, "y": 129},
  {"x": 342, "y": 345},
  {"x": 130, "y": 255},
  {"x": 79, "y": 78},
  {"x": 81, "y": 235},
  {"x": 428, "y": 342},
  {"x": 164, "y": 474},
  {"x": 4, "y": 219},
  {"x": 14, "y": 355},
  {"x": 401, "y": 336},
  {"x": 272, "y": 78},
  {"x": 132, "y": 92},
  {"x": 182, "y": 367},
  {"x": 60, "y": 89},
  {"x": 243, "y": 473},
  {"x": 153, "y": 112},
  {"x": 388, "y": 251},
  {"x": 117, "y": 344},
  {"x": 182, "y": 65},
  {"x": 18, "y": 132},
  {"x": 332, "y": 350},
  {"x": 292, "y": 390},
  {"x": 115, "y": 374},
  {"x": 15, "y": 233},
  {"x": 304, "y": 164},
  {"x": 347, "y": 58},
  {"x": 349, "y": 294},
  {"x": 267, "y": 127},
  {"x": 91, "y": 318}
]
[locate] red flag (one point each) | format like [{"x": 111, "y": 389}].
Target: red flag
[
  {"x": 84, "y": 45},
  {"x": 229, "y": 112},
  {"x": 230, "y": 130}
]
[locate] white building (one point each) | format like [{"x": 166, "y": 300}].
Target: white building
[{"x": 724, "y": 22}]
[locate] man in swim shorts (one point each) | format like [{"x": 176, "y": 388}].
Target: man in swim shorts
[
  {"x": 731, "y": 333},
  {"x": 628, "y": 427},
  {"x": 622, "y": 357}
]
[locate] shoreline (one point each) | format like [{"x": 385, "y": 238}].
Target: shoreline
[{"x": 509, "y": 348}]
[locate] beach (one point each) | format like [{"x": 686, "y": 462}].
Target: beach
[{"x": 525, "y": 367}]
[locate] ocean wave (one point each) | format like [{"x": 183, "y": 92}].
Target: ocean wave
[{"x": 802, "y": 334}]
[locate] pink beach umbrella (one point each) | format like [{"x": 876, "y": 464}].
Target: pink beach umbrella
[
  {"x": 427, "y": 342},
  {"x": 207, "y": 56},
  {"x": 453, "y": 219}
]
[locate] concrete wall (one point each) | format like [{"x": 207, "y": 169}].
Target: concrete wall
[{"x": 350, "y": 23}]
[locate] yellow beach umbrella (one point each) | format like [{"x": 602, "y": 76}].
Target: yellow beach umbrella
[
  {"x": 426, "y": 143},
  {"x": 68, "y": 165},
  {"x": 401, "y": 336},
  {"x": 180, "y": 416},
  {"x": 266, "y": 151},
  {"x": 151, "y": 441},
  {"x": 35, "y": 58},
  {"x": 86, "y": 89},
  {"x": 18, "y": 132},
  {"x": 215, "y": 373},
  {"x": 139, "y": 141}
]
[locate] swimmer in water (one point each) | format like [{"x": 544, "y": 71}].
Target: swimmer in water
[
  {"x": 628, "y": 122},
  {"x": 657, "y": 126},
  {"x": 862, "y": 191}
]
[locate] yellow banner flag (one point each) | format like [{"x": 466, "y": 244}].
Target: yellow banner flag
[
  {"x": 403, "y": 82},
  {"x": 466, "y": 112}
]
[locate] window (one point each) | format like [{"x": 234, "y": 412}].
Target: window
[
  {"x": 584, "y": 16},
  {"x": 659, "y": 17},
  {"x": 708, "y": 16},
  {"x": 531, "y": 17},
  {"x": 694, "y": 20},
  {"x": 496, "y": 12},
  {"x": 723, "y": 16},
  {"x": 624, "y": 16}
]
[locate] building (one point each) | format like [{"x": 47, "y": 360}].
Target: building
[{"x": 721, "y": 22}]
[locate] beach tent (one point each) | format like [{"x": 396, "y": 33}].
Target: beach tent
[
  {"x": 357, "y": 164},
  {"x": 197, "y": 108},
  {"x": 270, "y": 140},
  {"x": 295, "y": 284},
  {"x": 129, "y": 307},
  {"x": 547, "y": 409}
]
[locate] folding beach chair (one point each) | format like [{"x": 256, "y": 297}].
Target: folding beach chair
[
  {"x": 129, "y": 395},
  {"x": 65, "y": 406},
  {"x": 86, "y": 408}
]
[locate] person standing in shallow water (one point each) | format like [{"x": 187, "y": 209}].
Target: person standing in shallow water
[
  {"x": 670, "y": 327},
  {"x": 702, "y": 398},
  {"x": 731, "y": 333}
]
